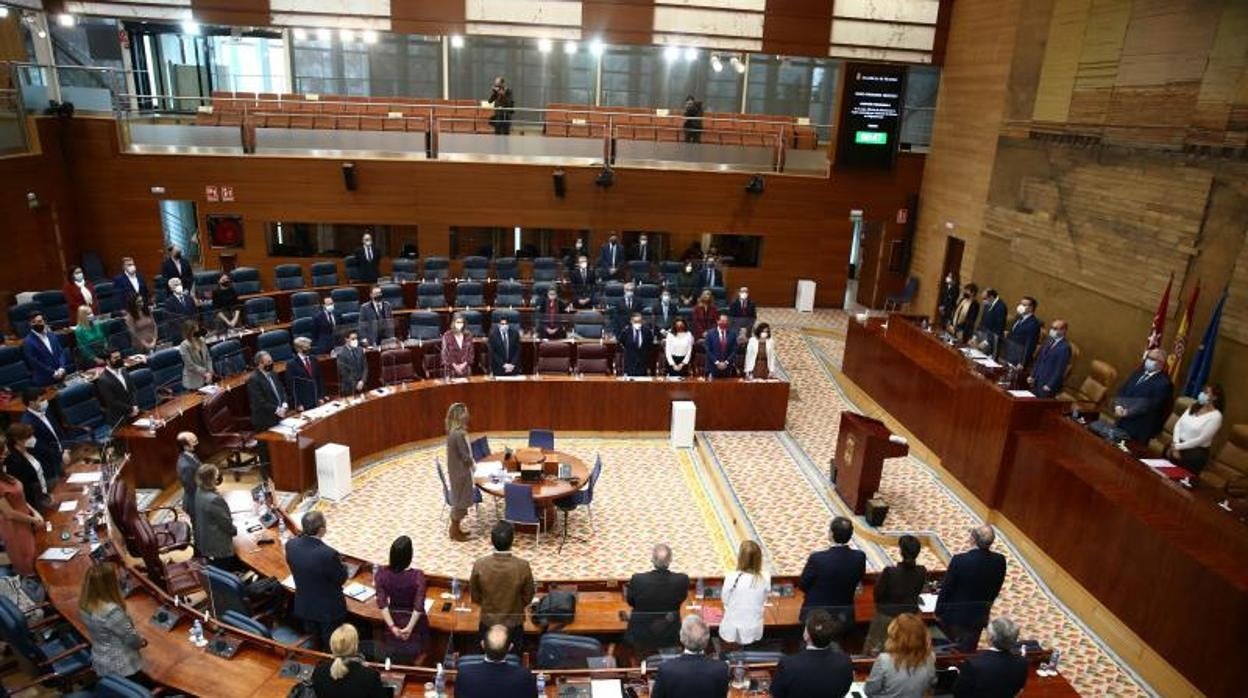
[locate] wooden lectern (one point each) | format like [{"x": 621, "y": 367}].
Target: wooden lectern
[{"x": 861, "y": 448}]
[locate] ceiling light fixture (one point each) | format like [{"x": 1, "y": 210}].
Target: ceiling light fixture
[
  {"x": 457, "y": 41},
  {"x": 671, "y": 53},
  {"x": 65, "y": 20},
  {"x": 596, "y": 47},
  {"x": 370, "y": 36},
  {"x": 716, "y": 64},
  {"x": 569, "y": 47},
  {"x": 545, "y": 45}
]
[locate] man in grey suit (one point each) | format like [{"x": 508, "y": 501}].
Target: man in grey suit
[
  {"x": 376, "y": 319},
  {"x": 214, "y": 526},
  {"x": 352, "y": 368},
  {"x": 188, "y": 466}
]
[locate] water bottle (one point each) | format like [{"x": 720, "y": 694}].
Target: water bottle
[
  {"x": 455, "y": 588},
  {"x": 92, "y": 537},
  {"x": 1053, "y": 660},
  {"x": 281, "y": 529},
  {"x": 541, "y": 685},
  {"x": 738, "y": 675},
  {"x": 699, "y": 591},
  {"x": 197, "y": 633},
  {"x": 439, "y": 681}
]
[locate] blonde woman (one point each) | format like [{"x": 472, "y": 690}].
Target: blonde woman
[
  {"x": 907, "y": 667},
  {"x": 346, "y": 674},
  {"x": 458, "y": 468},
  {"x": 90, "y": 340},
  {"x": 745, "y": 593},
  {"x": 115, "y": 643}
]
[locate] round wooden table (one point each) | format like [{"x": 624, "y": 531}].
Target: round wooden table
[{"x": 546, "y": 490}]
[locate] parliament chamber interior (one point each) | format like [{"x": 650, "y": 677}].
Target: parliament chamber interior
[{"x": 623, "y": 348}]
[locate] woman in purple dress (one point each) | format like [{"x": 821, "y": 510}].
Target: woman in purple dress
[{"x": 401, "y": 598}]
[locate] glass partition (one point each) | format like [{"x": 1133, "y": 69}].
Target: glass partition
[
  {"x": 793, "y": 86},
  {"x": 662, "y": 77},
  {"x": 922, "y": 84},
  {"x": 396, "y": 65},
  {"x": 248, "y": 64},
  {"x": 12, "y": 123},
  {"x": 289, "y": 239},
  {"x": 564, "y": 74},
  {"x": 738, "y": 250},
  {"x": 525, "y": 243}
]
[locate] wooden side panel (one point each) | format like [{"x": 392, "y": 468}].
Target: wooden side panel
[
  {"x": 618, "y": 21},
  {"x": 427, "y": 16}
]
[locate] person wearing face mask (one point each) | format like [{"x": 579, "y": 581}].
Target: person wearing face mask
[
  {"x": 962, "y": 324},
  {"x": 760, "y": 353},
  {"x": 265, "y": 394},
  {"x": 571, "y": 257},
  {"x": 687, "y": 285},
  {"x": 1049, "y": 371},
  {"x": 623, "y": 309},
  {"x": 376, "y": 319},
  {"x": 1020, "y": 344},
  {"x": 41, "y": 349},
  {"x": 89, "y": 339},
  {"x": 742, "y": 311},
  {"x": 1196, "y": 428},
  {"x": 950, "y": 293},
  {"x": 643, "y": 252},
  {"x": 142, "y": 325},
  {"x": 991, "y": 322},
  {"x": 584, "y": 282},
  {"x": 711, "y": 276},
  {"x": 116, "y": 391},
  {"x": 303, "y": 376},
  {"x": 368, "y": 260},
  {"x": 504, "y": 105},
  {"x": 1142, "y": 402},
  {"x": 214, "y": 526},
  {"x": 705, "y": 314},
  {"x": 457, "y": 349},
  {"x": 49, "y": 447},
  {"x": 129, "y": 284},
  {"x": 721, "y": 349},
  {"x": 352, "y": 368},
  {"x": 175, "y": 266},
  {"x": 196, "y": 361},
  {"x": 549, "y": 311},
  {"x": 325, "y": 327},
  {"x": 504, "y": 349},
  {"x": 678, "y": 349},
  {"x": 635, "y": 341},
  {"x": 78, "y": 291},
  {"x": 188, "y": 467},
  {"x": 179, "y": 305},
  {"x": 18, "y": 519},
  {"x": 611, "y": 258},
  {"x": 225, "y": 303},
  {"x": 22, "y": 464},
  {"x": 663, "y": 313}
]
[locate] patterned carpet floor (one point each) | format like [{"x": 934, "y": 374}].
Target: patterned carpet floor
[{"x": 650, "y": 492}]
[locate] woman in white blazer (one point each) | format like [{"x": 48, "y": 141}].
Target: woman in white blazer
[
  {"x": 744, "y": 596},
  {"x": 760, "y": 353}
]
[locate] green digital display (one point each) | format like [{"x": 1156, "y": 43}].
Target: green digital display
[{"x": 871, "y": 137}]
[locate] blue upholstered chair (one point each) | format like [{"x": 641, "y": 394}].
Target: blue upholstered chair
[
  {"x": 509, "y": 294},
  {"x": 519, "y": 508},
  {"x": 476, "y": 267},
  {"x": 258, "y": 312},
  {"x": 542, "y": 438},
  {"x": 429, "y": 294},
  {"x": 277, "y": 343},
  {"x": 324, "y": 274},
  {"x": 506, "y": 268},
  {"x": 288, "y": 276},
  {"x": 437, "y": 268},
  {"x": 246, "y": 280},
  {"x": 424, "y": 325},
  {"x": 346, "y": 299},
  {"x": 545, "y": 269},
  {"x": 469, "y": 294}
]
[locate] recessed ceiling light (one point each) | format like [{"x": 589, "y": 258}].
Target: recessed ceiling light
[
  {"x": 569, "y": 47},
  {"x": 596, "y": 47},
  {"x": 671, "y": 53},
  {"x": 324, "y": 34},
  {"x": 544, "y": 45},
  {"x": 65, "y": 20},
  {"x": 370, "y": 36}
]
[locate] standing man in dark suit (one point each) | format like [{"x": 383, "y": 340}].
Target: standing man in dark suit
[
  {"x": 1020, "y": 345},
  {"x": 180, "y": 306},
  {"x": 368, "y": 261},
  {"x": 352, "y": 368},
  {"x": 116, "y": 391},
  {"x": 664, "y": 313},
  {"x": 1049, "y": 371},
  {"x": 991, "y": 322},
  {"x": 502, "y": 585},
  {"x": 831, "y": 577},
  {"x": 611, "y": 258},
  {"x": 997, "y": 672},
  {"x": 1142, "y": 403},
  {"x": 49, "y": 450},
  {"x": 711, "y": 276},
  {"x": 129, "y": 284},
  {"x": 721, "y": 350},
  {"x": 494, "y": 677},
  {"x": 325, "y": 327},
  {"x": 176, "y": 267},
  {"x": 504, "y": 349},
  {"x": 376, "y": 319},
  {"x": 303, "y": 376},
  {"x": 742, "y": 312},
  {"x": 821, "y": 669},
  {"x": 319, "y": 575},
  {"x": 584, "y": 283},
  {"x": 622, "y": 311},
  {"x": 692, "y": 674},
  {"x": 643, "y": 252},
  {"x": 265, "y": 394},
  {"x": 43, "y": 354},
  {"x": 188, "y": 467},
  {"x": 969, "y": 588},
  {"x": 636, "y": 342},
  {"x": 655, "y": 598}
]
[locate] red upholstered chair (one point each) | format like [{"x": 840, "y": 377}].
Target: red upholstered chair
[
  {"x": 431, "y": 362},
  {"x": 396, "y": 366},
  {"x": 554, "y": 358},
  {"x": 593, "y": 358},
  {"x": 231, "y": 432},
  {"x": 169, "y": 535},
  {"x": 176, "y": 578}
]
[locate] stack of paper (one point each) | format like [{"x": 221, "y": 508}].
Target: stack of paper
[
  {"x": 58, "y": 554},
  {"x": 927, "y": 603},
  {"x": 359, "y": 592},
  {"x": 86, "y": 478}
]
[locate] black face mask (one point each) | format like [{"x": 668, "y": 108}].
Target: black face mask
[
  {"x": 39, "y": 327},
  {"x": 376, "y": 299},
  {"x": 201, "y": 333},
  {"x": 266, "y": 368},
  {"x": 116, "y": 364}
]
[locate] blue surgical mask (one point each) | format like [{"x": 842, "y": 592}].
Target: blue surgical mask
[
  {"x": 1203, "y": 398},
  {"x": 1150, "y": 365}
]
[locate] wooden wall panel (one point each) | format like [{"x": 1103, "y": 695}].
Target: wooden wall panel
[
  {"x": 797, "y": 27},
  {"x": 231, "y": 12},
  {"x": 1061, "y": 59},
  {"x": 427, "y": 16},
  {"x": 804, "y": 220},
  {"x": 618, "y": 21}
]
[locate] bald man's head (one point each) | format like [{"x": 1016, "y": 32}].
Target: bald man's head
[{"x": 496, "y": 643}]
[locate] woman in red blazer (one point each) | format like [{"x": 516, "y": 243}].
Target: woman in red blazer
[
  {"x": 457, "y": 349},
  {"x": 78, "y": 291}
]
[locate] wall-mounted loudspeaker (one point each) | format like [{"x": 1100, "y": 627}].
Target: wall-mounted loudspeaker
[
  {"x": 561, "y": 187},
  {"x": 348, "y": 175}
]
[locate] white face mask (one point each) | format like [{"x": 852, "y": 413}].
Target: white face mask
[
  {"x": 353, "y": 343},
  {"x": 1022, "y": 309},
  {"x": 743, "y": 296},
  {"x": 583, "y": 265},
  {"x": 643, "y": 241},
  {"x": 130, "y": 268},
  {"x": 764, "y": 335},
  {"x": 29, "y": 443},
  {"x": 666, "y": 298},
  {"x": 1055, "y": 334},
  {"x": 459, "y": 326},
  {"x": 39, "y": 407},
  {"x": 176, "y": 289},
  {"x": 628, "y": 293},
  {"x": 502, "y": 328},
  {"x": 688, "y": 268},
  {"x": 78, "y": 277},
  {"x": 550, "y": 298},
  {"x": 329, "y": 308},
  {"x": 636, "y": 325},
  {"x": 368, "y": 243}
]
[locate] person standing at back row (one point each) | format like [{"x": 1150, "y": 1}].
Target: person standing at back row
[
  {"x": 368, "y": 260},
  {"x": 969, "y": 588},
  {"x": 504, "y": 104},
  {"x": 830, "y": 577}
]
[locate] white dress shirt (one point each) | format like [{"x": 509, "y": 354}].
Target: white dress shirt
[
  {"x": 743, "y": 597},
  {"x": 34, "y": 463},
  {"x": 678, "y": 345},
  {"x": 1196, "y": 430}
]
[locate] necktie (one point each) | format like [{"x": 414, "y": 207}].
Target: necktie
[
  {"x": 368, "y": 252},
  {"x": 307, "y": 365},
  {"x": 637, "y": 337},
  {"x": 710, "y": 276},
  {"x": 723, "y": 343},
  {"x": 504, "y": 333},
  {"x": 330, "y": 316}
]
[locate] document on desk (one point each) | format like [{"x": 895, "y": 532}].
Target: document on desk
[
  {"x": 88, "y": 478},
  {"x": 606, "y": 688},
  {"x": 58, "y": 554},
  {"x": 142, "y": 423},
  {"x": 359, "y": 592},
  {"x": 511, "y": 378},
  {"x": 974, "y": 353},
  {"x": 71, "y": 505},
  {"x": 927, "y": 603},
  {"x": 1022, "y": 393},
  {"x": 487, "y": 469},
  {"x": 988, "y": 363}
]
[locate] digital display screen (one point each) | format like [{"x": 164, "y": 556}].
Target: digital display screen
[{"x": 870, "y": 115}]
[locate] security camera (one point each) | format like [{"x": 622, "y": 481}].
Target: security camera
[{"x": 32, "y": 199}]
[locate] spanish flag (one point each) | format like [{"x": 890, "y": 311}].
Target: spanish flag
[{"x": 1180, "y": 338}]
